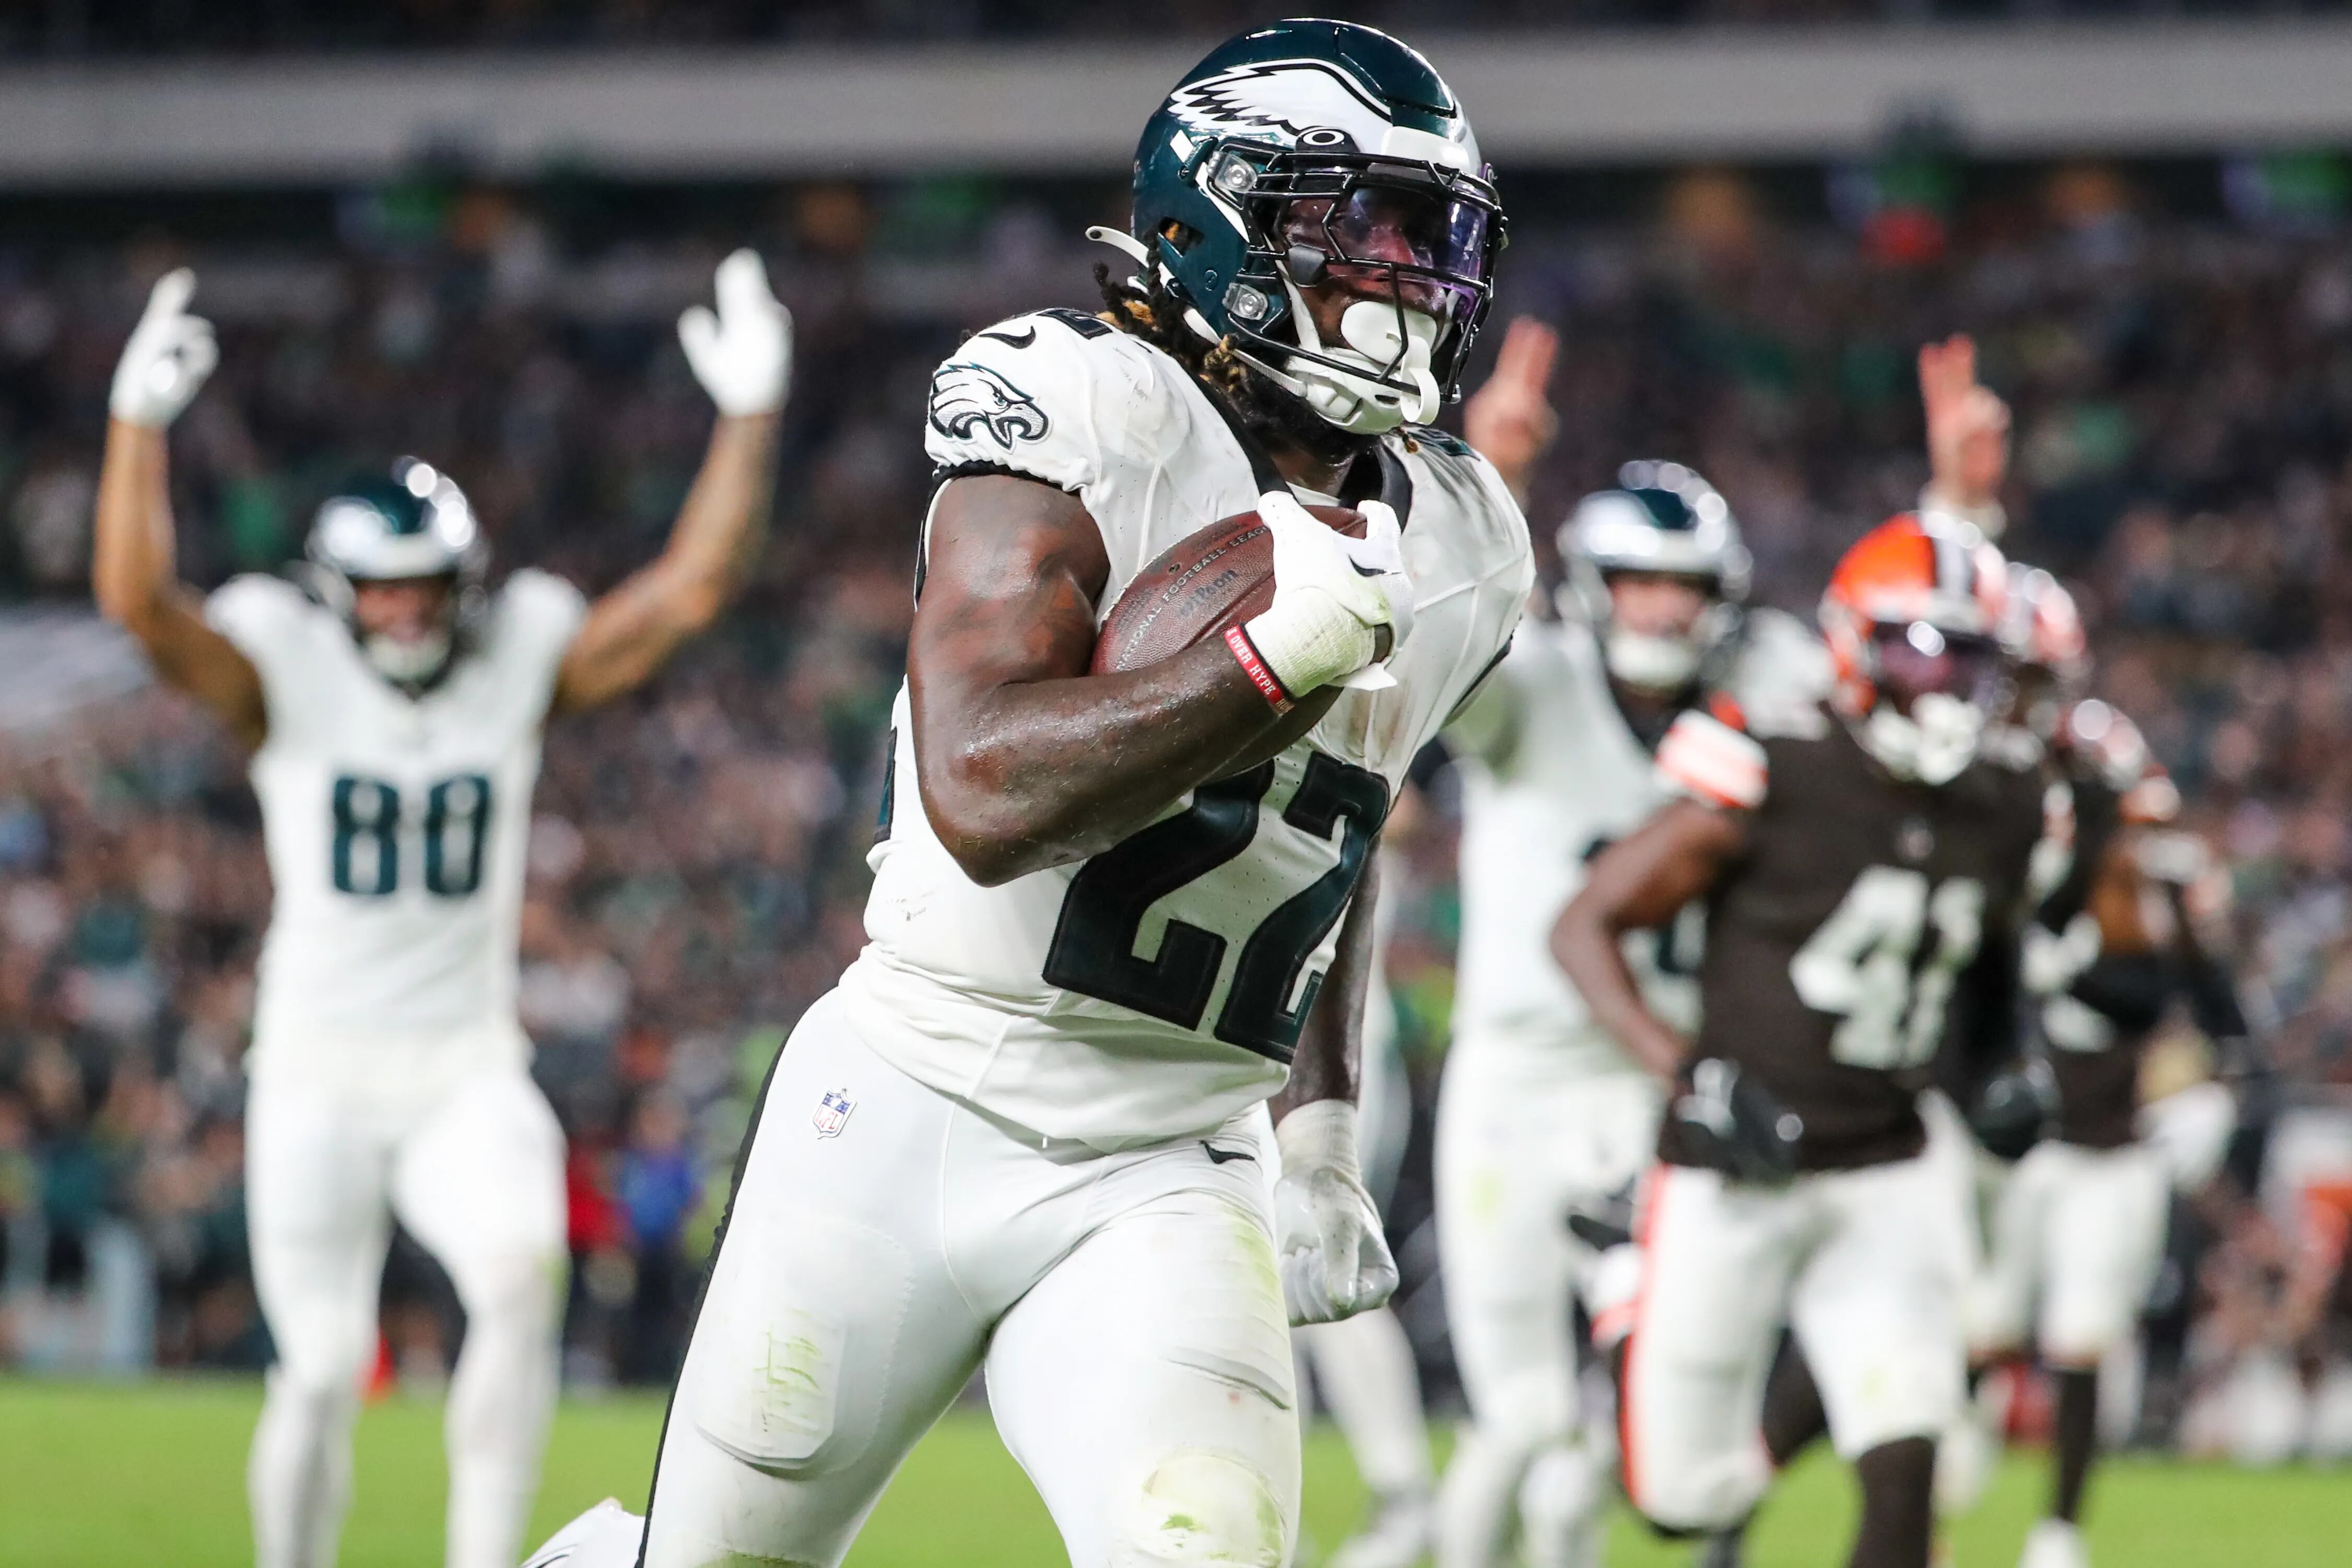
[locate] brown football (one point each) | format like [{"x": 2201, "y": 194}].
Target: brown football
[{"x": 1216, "y": 577}]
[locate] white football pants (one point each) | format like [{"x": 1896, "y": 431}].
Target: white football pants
[
  {"x": 1518, "y": 1145},
  {"x": 1864, "y": 1265},
  {"x": 474, "y": 1169},
  {"x": 2080, "y": 1233},
  {"x": 887, "y": 1239}
]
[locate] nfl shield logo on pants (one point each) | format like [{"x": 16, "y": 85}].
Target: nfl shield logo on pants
[{"x": 833, "y": 1108}]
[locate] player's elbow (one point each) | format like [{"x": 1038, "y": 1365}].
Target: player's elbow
[
  {"x": 979, "y": 821},
  {"x": 134, "y": 606},
  {"x": 1581, "y": 934},
  {"x": 989, "y": 853},
  {"x": 697, "y": 602}
]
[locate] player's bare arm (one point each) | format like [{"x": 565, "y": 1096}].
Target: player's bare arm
[
  {"x": 133, "y": 566},
  {"x": 1335, "y": 1260},
  {"x": 743, "y": 355},
  {"x": 1025, "y": 760},
  {"x": 632, "y": 632},
  {"x": 1329, "y": 1063},
  {"x": 1510, "y": 421},
  {"x": 1968, "y": 434},
  {"x": 1640, "y": 883}
]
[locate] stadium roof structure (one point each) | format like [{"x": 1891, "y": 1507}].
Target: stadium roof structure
[{"x": 1544, "y": 99}]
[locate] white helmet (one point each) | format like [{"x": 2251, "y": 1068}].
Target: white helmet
[
  {"x": 416, "y": 524},
  {"x": 1667, "y": 520}
]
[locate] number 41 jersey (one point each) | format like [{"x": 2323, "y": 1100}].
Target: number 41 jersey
[
  {"x": 396, "y": 827},
  {"x": 1159, "y": 988},
  {"x": 1835, "y": 940}
]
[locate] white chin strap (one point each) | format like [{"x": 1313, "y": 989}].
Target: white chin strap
[
  {"x": 408, "y": 663},
  {"x": 1361, "y": 404},
  {"x": 1931, "y": 744},
  {"x": 1650, "y": 664}
]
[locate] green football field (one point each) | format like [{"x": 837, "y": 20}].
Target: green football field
[{"x": 153, "y": 1474}]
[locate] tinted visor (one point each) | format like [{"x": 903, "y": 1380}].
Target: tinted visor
[
  {"x": 1916, "y": 658},
  {"x": 1429, "y": 244}
]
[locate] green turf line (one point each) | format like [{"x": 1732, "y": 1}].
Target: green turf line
[{"x": 97, "y": 1475}]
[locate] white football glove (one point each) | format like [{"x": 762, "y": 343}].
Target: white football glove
[
  {"x": 170, "y": 354},
  {"x": 1328, "y": 1241},
  {"x": 1332, "y": 594},
  {"x": 743, "y": 353}
]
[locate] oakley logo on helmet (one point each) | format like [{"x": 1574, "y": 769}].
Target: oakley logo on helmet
[{"x": 966, "y": 397}]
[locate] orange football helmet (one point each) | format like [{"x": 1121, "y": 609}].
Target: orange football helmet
[{"x": 1913, "y": 616}]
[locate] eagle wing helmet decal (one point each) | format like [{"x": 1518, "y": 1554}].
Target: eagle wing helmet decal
[
  {"x": 1286, "y": 95},
  {"x": 966, "y": 396}
]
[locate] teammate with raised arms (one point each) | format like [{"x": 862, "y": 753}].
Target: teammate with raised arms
[{"x": 394, "y": 703}]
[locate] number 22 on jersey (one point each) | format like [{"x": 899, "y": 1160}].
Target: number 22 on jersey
[
  {"x": 1865, "y": 962},
  {"x": 1093, "y": 952},
  {"x": 367, "y": 818}
]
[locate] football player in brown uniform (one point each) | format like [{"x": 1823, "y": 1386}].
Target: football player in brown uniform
[
  {"x": 2079, "y": 1225},
  {"x": 1853, "y": 870}
]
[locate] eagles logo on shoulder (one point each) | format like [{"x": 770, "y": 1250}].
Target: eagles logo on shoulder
[{"x": 966, "y": 396}]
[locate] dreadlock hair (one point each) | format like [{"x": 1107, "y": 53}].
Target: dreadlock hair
[{"x": 1152, "y": 311}]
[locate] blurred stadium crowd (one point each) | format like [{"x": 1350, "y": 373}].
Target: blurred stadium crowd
[{"x": 2183, "y": 391}]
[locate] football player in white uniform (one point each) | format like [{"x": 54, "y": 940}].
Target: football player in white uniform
[
  {"x": 1363, "y": 1365},
  {"x": 394, "y": 706},
  {"x": 1543, "y": 1114},
  {"x": 1115, "y": 914}
]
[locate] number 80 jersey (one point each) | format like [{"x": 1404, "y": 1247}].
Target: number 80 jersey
[
  {"x": 396, "y": 827},
  {"x": 1159, "y": 988}
]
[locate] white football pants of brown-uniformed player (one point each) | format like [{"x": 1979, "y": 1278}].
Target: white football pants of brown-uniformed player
[
  {"x": 1520, "y": 1144},
  {"x": 2078, "y": 1232},
  {"x": 1863, "y": 1265},
  {"x": 1125, "y": 1305}
]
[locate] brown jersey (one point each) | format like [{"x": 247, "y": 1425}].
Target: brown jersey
[
  {"x": 1836, "y": 937},
  {"x": 2099, "y": 1027}
]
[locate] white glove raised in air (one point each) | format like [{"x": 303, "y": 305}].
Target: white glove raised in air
[
  {"x": 1328, "y": 1242},
  {"x": 1331, "y": 595},
  {"x": 170, "y": 354},
  {"x": 741, "y": 352}
]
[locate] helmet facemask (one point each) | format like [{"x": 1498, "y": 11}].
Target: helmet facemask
[
  {"x": 417, "y": 528},
  {"x": 1935, "y": 689},
  {"x": 414, "y": 661},
  {"x": 1410, "y": 244},
  {"x": 1667, "y": 522},
  {"x": 1661, "y": 662}
]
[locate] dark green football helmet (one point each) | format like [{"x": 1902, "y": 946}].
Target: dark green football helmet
[{"x": 1313, "y": 151}]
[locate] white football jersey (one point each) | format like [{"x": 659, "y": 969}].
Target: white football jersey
[
  {"x": 396, "y": 827},
  {"x": 1551, "y": 775},
  {"x": 1159, "y": 986}
]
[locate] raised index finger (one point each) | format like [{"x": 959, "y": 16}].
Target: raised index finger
[
  {"x": 1528, "y": 352},
  {"x": 1947, "y": 369},
  {"x": 171, "y": 295}
]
